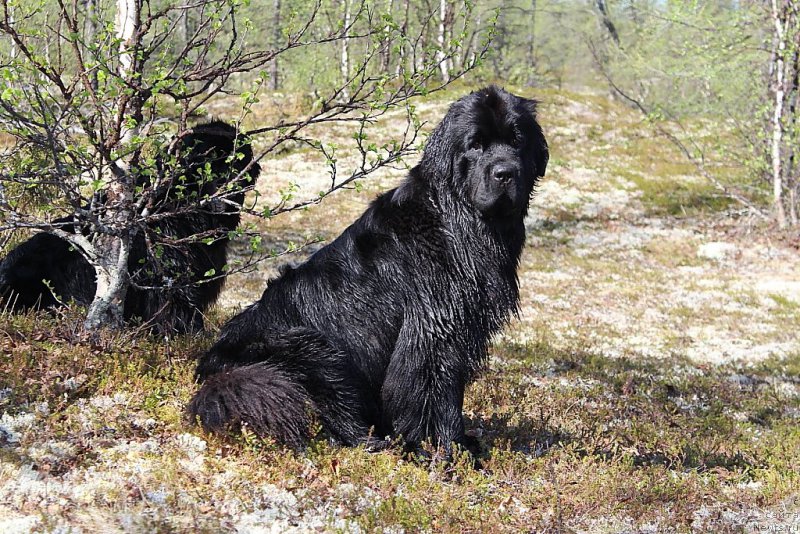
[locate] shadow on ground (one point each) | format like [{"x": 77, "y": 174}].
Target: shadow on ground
[{"x": 645, "y": 412}]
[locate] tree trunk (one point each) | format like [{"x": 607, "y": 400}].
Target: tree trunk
[
  {"x": 345, "y": 63},
  {"x": 606, "y": 20},
  {"x": 530, "y": 55},
  {"x": 112, "y": 284},
  {"x": 791, "y": 169},
  {"x": 499, "y": 43},
  {"x": 91, "y": 32},
  {"x": 12, "y": 52},
  {"x": 441, "y": 39},
  {"x": 778, "y": 88},
  {"x": 401, "y": 61},
  {"x": 113, "y": 246},
  {"x": 274, "y": 83},
  {"x": 188, "y": 25},
  {"x": 126, "y": 22},
  {"x": 386, "y": 45}
]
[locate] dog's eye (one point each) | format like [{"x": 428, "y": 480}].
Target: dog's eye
[{"x": 476, "y": 144}]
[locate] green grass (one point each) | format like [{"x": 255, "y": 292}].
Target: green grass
[
  {"x": 666, "y": 192},
  {"x": 572, "y": 439},
  {"x": 570, "y": 436},
  {"x": 785, "y": 305}
]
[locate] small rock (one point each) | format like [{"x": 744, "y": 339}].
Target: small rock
[
  {"x": 716, "y": 250},
  {"x": 742, "y": 380}
]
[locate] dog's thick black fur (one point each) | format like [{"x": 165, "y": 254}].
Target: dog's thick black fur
[
  {"x": 45, "y": 271},
  {"x": 380, "y": 331}
]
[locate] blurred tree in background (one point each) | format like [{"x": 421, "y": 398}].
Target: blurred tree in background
[
  {"x": 88, "y": 87},
  {"x": 93, "y": 90},
  {"x": 731, "y": 62}
]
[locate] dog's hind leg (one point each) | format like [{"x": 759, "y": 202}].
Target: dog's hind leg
[{"x": 333, "y": 385}]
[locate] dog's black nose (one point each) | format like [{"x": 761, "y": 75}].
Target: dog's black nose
[{"x": 503, "y": 172}]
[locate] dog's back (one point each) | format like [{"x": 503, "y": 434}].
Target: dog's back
[
  {"x": 41, "y": 271},
  {"x": 47, "y": 272}
]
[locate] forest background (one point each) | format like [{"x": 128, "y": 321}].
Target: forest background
[{"x": 652, "y": 380}]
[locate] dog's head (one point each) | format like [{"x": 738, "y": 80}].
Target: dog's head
[
  {"x": 491, "y": 151},
  {"x": 214, "y": 157}
]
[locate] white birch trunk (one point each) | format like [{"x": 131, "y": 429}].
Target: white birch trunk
[
  {"x": 127, "y": 20},
  {"x": 441, "y": 55},
  {"x": 113, "y": 250},
  {"x": 777, "y": 116},
  {"x": 401, "y": 61},
  {"x": 386, "y": 46},
  {"x": 13, "y": 51},
  {"x": 111, "y": 271},
  {"x": 345, "y": 63}
]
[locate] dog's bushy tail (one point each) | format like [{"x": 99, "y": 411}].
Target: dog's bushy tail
[{"x": 261, "y": 396}]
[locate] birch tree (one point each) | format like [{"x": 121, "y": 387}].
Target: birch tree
[
  {"x": 442, "y": 37},
  {"x": 88, "y": 115},
  {"x": 274, "y": 82},
  {"x": 111, "y": 249},
  {"x": 783, "y": 88},
  {"x": 345, "y": 63},
  {"x": 678, "y": 65}
]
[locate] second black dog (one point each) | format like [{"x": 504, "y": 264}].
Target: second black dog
[{"x": 169, "y": 256}]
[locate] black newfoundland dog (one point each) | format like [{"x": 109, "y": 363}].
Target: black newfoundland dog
[
  {"x": 380, "y": 332},
  {"x": 166, "y": 261}
]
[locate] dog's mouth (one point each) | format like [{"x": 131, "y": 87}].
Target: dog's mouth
[{"x": 502, "y": 208}]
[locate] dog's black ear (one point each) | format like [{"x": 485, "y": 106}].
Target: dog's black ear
[
  {"x": 538, "y": 141},
  {"x": 542, "y": 153},
  {"x": 438, "y": 156}
]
